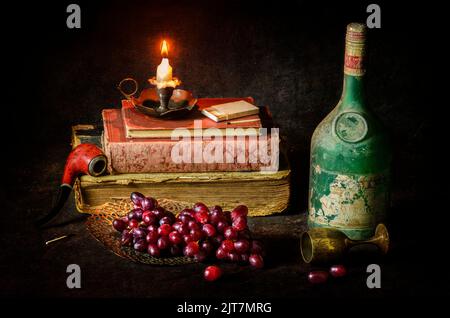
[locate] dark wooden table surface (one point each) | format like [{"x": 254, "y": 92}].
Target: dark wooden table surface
[{"x": 36, "y": 269}]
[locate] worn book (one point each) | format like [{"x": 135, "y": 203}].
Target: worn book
[
  {"x": 138, "y": 125},
  {"x": 185, "y": 154},
  {"x": 264, "y": 194},
  {"x": 231, "y": 110},
  {"x": 227, "y": 189}
]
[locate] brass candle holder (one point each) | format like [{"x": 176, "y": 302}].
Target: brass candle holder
[
  {"x": 164, "y": 90},
  {"x": 325, "y": 245},
  {"x": 162, "y": 102}
]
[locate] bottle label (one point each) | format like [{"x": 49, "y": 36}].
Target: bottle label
[
  {"x": 350, "y": 127},
  {"x": 347, "y": 202}
]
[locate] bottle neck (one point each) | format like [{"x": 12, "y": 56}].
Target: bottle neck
[
  {"x": 354, "y": 66},
  {"x": 353, "y": 92}
]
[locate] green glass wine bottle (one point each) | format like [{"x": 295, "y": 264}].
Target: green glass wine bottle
[{"x": 350, "y": 155}]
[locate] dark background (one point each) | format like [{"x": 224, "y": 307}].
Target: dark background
[{"x": 287, "y": 55}]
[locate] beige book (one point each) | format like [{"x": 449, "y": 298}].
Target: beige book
[{"x": 231, "y": 110}]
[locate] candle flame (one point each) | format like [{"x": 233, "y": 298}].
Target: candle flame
[{"x": 164, "y": 49}]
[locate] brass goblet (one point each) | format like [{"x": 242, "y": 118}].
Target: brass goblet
[{"x": 323, "y": 245}]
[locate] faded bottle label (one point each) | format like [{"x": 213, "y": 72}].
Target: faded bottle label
[{"x": 354, "y": 204}]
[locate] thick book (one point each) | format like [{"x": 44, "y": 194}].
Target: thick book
[
  {"x": 263, "y": 193},
  {"x": 138, "y": 125},
  {"x": 144, "y": 155},
  {"x": 231, "y": 110}
]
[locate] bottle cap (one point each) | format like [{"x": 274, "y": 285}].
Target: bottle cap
[{"x": 355, "y": 40}]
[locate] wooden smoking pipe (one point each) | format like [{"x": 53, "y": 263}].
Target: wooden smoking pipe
[{"x": 83, "y": 159}]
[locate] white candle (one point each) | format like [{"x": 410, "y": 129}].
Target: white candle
[{"x": 164, "y": 71}]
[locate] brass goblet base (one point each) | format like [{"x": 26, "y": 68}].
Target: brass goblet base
[{"x": 325, "y": 245}]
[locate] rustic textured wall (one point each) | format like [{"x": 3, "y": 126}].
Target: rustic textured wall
[{"x": 287, "y": 55}]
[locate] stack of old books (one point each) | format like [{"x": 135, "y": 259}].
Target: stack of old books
[{"x": 206, "y": 156}]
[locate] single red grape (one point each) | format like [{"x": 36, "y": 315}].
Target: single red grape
[
  {"x": 209, "y": 230},
  {"x": 152, "y": 228},
  {"x": 177, "y": 225},
  {"x": 216, "y": 208},
  {"x": 221, "y": 226},
  {"x": 230, "y": 233},
  {"x": 175, "y": 237},
  {"x": 153, "y": 250},
  {"x": 132, "y": 214},
  {"x": 227, "y": 245},
  {"x": 240, "y": 210},
  {"x": 149, "y": 218},
  {"x": 196, "y": 234},
  {"x": 133, "y": 223},
  {"x": 317, "y": 277},
  {"x": 163, "y": 242},
  {"x": 159, "y": 212},
  {"x": 187, "y": 238},
  {"x": 216, "y": 216},
  {"x": 202, "y": 216},
  {"x": 221, "y": 254},
  {"x": 193, "y": 225},
  {"x": 126, "y": 238},
  {"x": 164, "y": 229},
  {"x": 184, "y": 229},
  {"x": 149, "y": 203},
  {"x": 138, "y": 213},
  {"x": 256, "y": 261},
  {"x": 136, "y": 198},
  {"x": 240, "y": 223},
  {"x": 152, "y": 237},
  {"x": 185, "y": 218},
  {"x": 191, "y": 249},
  {"x": 200, "y": 207},
  {"x": 241, "y": 246},
  {"x": 338, "y": 271},
  {"x": 212, "y": 273},
  {"x": 119, "y": 225}
]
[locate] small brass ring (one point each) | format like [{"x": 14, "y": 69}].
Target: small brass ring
[{"x": 128, "y": 79}]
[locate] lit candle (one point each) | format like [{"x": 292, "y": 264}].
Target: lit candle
[{"x": 164, "y": 70}]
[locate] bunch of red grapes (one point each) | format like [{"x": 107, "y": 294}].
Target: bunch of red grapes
[{"x": 201, "y": 232}]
